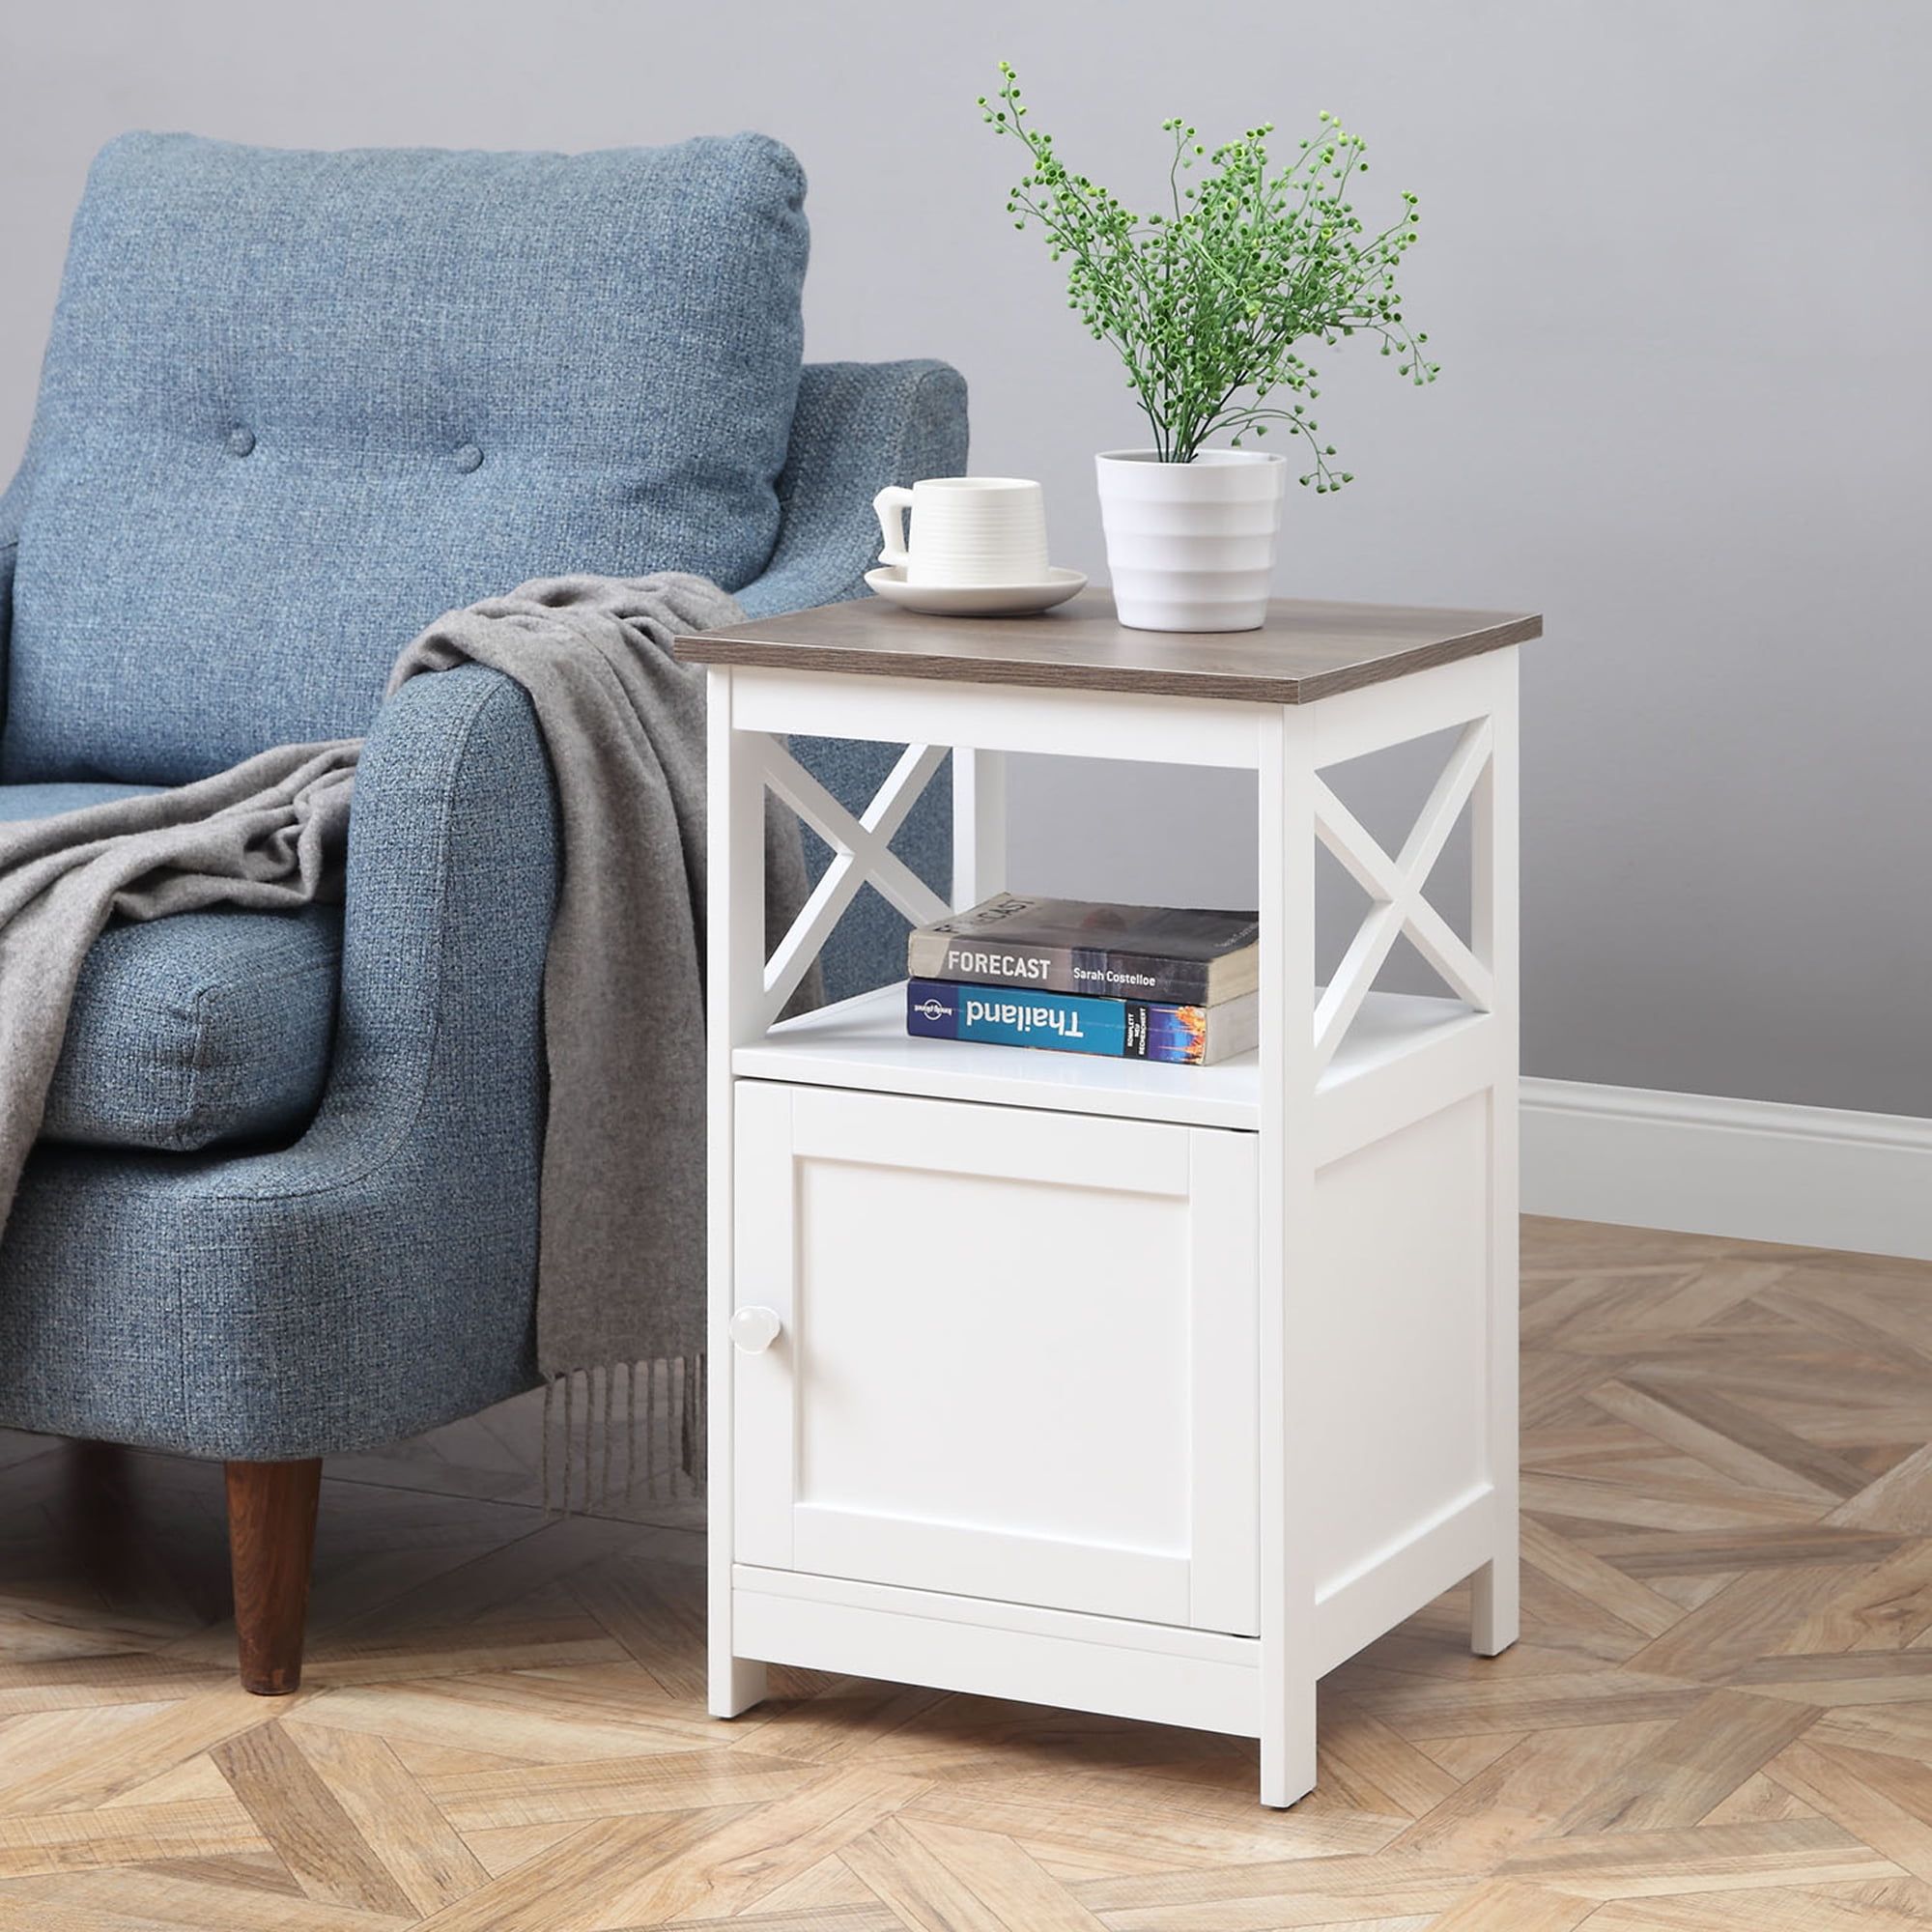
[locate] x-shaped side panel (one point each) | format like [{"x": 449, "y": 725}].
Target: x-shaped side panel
[
  {"x": 860, "y": 850},
  {"x": 1396, "y": 885}
]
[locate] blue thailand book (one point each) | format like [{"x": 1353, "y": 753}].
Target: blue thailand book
[{"x": 1077, "y": 1023}]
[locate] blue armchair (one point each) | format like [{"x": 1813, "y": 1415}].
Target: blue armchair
[{"x": 294, "y": 405}]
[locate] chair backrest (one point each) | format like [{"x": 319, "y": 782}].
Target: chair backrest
[{"x": 295, "y": 405}]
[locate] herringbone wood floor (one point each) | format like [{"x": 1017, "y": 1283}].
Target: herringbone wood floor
[{"x": 1719, "y": 1716}]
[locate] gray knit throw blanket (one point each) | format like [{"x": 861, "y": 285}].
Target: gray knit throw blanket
[{"x": 620, "y": 1290}]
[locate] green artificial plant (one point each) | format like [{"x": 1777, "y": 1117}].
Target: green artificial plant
[{"x": 1210, "y": 302}]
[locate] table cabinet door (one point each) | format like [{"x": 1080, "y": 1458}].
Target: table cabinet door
[{"x": 996, "y": 1352}]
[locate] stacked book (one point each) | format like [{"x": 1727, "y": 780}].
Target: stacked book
[{"x": 1140, "y": 983}]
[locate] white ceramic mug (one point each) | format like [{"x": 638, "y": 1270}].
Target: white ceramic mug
[{"x": 966, "y": 531}]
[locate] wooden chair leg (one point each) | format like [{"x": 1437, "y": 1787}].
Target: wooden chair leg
[{"x": 270, "y": 1540}]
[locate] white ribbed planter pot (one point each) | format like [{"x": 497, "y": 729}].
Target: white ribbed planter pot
[{"x": 1190, "y": 546}]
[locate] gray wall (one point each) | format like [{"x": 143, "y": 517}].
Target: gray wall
[{"x": 1675, "y": 267}]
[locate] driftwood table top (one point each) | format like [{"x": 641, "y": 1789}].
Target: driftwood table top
[{"x": 1304, "y": 651}]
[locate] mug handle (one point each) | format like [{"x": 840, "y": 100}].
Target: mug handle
[{"x": 892, "y": 505}]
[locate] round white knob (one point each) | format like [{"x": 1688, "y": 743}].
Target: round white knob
[{"x": 756, "y": 1329}]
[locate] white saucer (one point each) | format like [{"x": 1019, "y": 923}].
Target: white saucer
[{"x": 974, "y": 600}]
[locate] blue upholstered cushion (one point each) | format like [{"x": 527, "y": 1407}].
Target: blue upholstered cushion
[
  {"x": 296, "y": 404},
  {"x": 44, "y": 801},
  {"x": 192, "y": 1032}
]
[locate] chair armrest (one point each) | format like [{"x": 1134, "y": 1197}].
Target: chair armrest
[
  {"x": 451, "y": 883},
  {"x": 858, "y": 427}
]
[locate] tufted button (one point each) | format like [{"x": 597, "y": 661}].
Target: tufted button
[
  {"x": 240, "y": 442},
  {"x": 467, "y": 456}
]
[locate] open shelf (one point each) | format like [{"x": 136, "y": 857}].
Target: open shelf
[{"x": 863, "y": 1043}]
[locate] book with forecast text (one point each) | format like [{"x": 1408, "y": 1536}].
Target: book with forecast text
[{"x": 1175, "y": 955}]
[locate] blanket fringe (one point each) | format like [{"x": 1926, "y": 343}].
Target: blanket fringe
[{"x": 619, "y": 1433}]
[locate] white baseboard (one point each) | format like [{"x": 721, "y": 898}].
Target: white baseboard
[{"x": 1752, "y": 1170}]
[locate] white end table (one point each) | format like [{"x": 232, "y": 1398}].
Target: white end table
[{"x": 1134, "y": 1388}]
